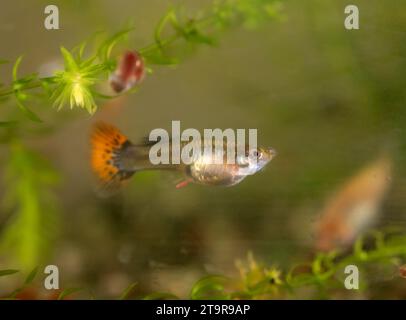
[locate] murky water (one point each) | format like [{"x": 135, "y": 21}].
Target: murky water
[{"x": 329, "y": 100}]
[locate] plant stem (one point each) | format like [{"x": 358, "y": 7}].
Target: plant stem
[{"x": 8, "y": 92}]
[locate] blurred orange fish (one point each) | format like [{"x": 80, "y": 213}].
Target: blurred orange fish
[
  {"x": 115, "y": 159},
  {"x": 354, "y": 208}
]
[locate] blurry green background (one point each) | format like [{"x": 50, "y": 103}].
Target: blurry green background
[{"x": 327, "y": 99}]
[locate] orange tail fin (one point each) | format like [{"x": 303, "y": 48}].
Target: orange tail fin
[{"x": 108, "y": 144}]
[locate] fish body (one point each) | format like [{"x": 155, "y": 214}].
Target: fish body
[
  {"x": 115, "y": 159},
  {"x": 205, "y": 170}
]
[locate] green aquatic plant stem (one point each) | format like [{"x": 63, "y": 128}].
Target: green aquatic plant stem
[{"x": 28, "y": 197}]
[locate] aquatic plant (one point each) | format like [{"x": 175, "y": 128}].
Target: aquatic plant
[
  {"x": 76, "y": 85},
  {"x": 378, "y": 256}
]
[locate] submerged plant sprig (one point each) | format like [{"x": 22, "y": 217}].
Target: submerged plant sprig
[
  {"x": 316, "y": 277},
  {"x": 76, "y": 84},
  {"x": 322, "y": 274},
  {"x": 18, "y": 87}
]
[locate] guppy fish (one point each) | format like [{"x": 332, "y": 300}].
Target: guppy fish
[
  {"x": 114, "y": 159},
  {"x": 129, "y": 72}
]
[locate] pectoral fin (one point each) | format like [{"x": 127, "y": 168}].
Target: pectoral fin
[{"x": 183, "y": 183}]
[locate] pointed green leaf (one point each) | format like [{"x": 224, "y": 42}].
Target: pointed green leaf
[
  {"x": 169, "y": 16},
  {"x": 209, "y": 287},
  {"x": 16, "y": 66},
  {"x": 31, "y": 276},
  {"x": 27, "y": 112},
  {"x": 70, "y": 63},
  {"x": 82, "y": 48},
  {"x": 104, "y": 51}
]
